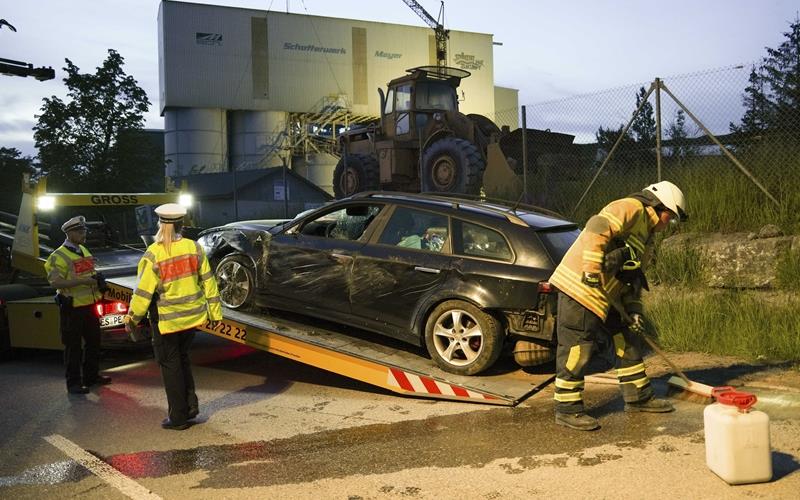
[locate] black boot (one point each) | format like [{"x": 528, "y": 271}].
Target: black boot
[
  {"x": 578, "y": 421},
  {"x": 652, "y": 405}
]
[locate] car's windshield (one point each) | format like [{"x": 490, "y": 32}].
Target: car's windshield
[{"x": 558, "y": 241}]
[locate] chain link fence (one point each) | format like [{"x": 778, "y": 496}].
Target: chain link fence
[{"x": 582, "y": 152}]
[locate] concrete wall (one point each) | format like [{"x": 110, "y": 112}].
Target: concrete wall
[{"x": 243, "y": 59}]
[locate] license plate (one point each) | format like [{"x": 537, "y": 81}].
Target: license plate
[{"x": 111, "y": 320}]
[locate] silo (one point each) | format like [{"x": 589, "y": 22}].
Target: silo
[
  {"x": 318, "y": 168},
  {"x": 195, "y": 141},
  {"x": 257, "y": 138}
]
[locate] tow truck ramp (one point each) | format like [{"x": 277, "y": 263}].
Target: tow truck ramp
[{"x": 368, "y": 361}]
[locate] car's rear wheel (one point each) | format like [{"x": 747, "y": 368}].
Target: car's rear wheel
[
  {"x": 462, "y": 339},
  {"x": 236, "y": 282}
]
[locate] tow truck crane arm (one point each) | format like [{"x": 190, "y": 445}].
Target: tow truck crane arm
[{"x": 18, "y": 68}]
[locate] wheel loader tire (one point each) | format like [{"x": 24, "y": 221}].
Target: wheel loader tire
[
  {"x": 355, "y": 173},
  {"x": 452, "y": 165}
]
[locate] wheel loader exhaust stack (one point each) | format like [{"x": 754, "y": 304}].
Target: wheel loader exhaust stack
[{"x": 422, "y": 142}]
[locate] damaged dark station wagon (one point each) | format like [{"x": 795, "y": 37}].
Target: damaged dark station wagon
[{"x": 464, "y": 278}]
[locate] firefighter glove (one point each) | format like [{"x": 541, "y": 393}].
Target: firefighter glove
[
  {"x": 591, "y": 279},
  {"x": 637, "y": 324}
]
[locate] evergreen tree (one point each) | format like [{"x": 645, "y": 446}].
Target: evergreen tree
[
  {"x": 680, "y": 147},
  {"x": 782, "y": 73},
  {"x": 644, "y": 125},
  {"x": 758, "y": 108},
  {"x": 79, "y": 140}
]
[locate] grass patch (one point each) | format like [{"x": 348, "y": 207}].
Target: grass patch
[
  {"x": 788, "y": 271},
  {"x": 750, "y": 325},
  {"x": 721, "y": 198},
  {"x": 678, "y": 267}
]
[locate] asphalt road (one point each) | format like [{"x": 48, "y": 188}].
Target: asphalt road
[{"x": 272, "y": 428}]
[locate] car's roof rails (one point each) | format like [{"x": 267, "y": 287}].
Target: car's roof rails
[
  {"x": 504, "y": 202},
  {"x": 455, "y": 200}
]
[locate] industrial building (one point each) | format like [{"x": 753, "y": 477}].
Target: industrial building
[{"x": 245, "y": 89}]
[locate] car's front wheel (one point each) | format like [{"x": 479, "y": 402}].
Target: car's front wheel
[
  {"x": 236, "y": 282},
  {"x": 462, "y": 339}
]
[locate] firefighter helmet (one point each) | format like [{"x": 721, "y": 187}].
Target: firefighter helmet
[{"x": 671, "y": 197}]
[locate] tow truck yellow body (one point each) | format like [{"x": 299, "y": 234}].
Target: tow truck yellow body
[{"x": 29, "y": 318}]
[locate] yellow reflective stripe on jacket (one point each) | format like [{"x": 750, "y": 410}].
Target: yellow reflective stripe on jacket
[
  {"x": 64, "y": 263},
  {"x": 627, "y": 220},
  {"x": 209, "y": 285},
  {"x": 187, "y": 290}
]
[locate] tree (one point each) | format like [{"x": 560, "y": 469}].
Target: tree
[
  {"x": 607, "y": 137},
  {"x": 79, "y": 140},
  {"x": 12, "y": 166},
  {"x": 644, "y": 125},
  {"x": 782, "y": 68},
  {"x": 758, "y": 112},
  {"x": 679, "y": 138}
]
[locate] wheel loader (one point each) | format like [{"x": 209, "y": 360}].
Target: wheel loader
[{"x": 423, "y": 143}]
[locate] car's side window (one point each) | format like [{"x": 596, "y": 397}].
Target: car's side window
[
  {"x": 480, "y": 241},
  {"x": 347, "y": 223},
  {"x": 416, "y": 229}
]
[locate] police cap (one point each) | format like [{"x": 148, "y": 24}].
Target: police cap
[
  {"x": 170, "y": 213},
  {"x": 78, "y": 222}
]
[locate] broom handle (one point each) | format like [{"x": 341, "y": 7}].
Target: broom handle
[{"x": 627, "y": 318}]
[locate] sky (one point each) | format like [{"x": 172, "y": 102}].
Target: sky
[{"x": 551, "y": 49}]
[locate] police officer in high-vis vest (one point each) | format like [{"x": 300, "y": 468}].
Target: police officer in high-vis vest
[
  {"x": 177, "y": 290},
  {"x": 600, "y": 280},
  {"x": 70, "y": 269}
]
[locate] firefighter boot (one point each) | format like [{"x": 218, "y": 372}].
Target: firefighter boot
[
  {"x": 578, "y": 421},
  {"x": 652, "y": 405}
]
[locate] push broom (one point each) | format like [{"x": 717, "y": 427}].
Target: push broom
[{"x": 690, "y": 389}]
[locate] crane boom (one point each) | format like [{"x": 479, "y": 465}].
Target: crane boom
[
  {"x": 421, "y": 12},
  {"x": 441, "y": 34}
]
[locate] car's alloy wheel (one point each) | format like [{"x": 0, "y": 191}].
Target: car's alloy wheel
[
  {"x": 236, "y": 282},
  {"x": 463, "y": 339}
]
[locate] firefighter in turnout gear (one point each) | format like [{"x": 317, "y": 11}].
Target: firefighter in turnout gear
[
  {"x": 70, "y": 269},
  {"x": 601, "y": 272},
  {"x": 177, "y": 290}
]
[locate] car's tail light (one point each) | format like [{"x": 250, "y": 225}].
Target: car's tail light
[
  {"x": 545, "y": 287},
  {"x": 115, "y": 307}
]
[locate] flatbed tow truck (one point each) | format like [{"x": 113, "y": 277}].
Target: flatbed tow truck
[{"x": 332, "y": 349}]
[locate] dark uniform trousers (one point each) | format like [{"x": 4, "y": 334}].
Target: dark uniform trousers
[
  {"x": 80, "y": 334},
  {"x": 172, "y": 355},
  {"x": 578, "y": 331}
]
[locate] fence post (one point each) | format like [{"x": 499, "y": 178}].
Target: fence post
[
  {"x": 658, "y": 127},
  {"x": 524, "y": 156}
]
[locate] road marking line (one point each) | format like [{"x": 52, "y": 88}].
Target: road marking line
[{"x": 110, "y": 475}]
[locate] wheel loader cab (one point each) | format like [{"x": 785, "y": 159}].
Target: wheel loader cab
[{"x": 411, "y": 103}]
